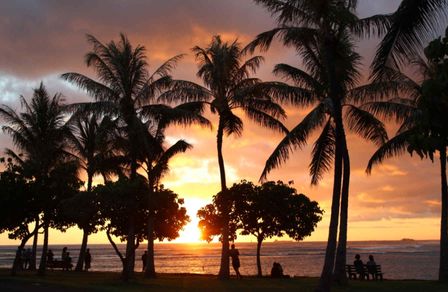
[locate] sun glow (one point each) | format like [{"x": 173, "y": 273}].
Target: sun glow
[{"x": 191, "y": 232}]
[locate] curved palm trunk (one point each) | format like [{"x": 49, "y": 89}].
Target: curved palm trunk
[
  {"x": 443, "y": 268},
  {"x": 327, "y": 270},
  {"x": 34, "y": 248},
  {"x": 43, "y": 259},
  {"x": 224, "y": 269},
  {"x": 85, "y": 235},
  {"x": 341, "y": 252},
  {"x": 259, "y": 242}
]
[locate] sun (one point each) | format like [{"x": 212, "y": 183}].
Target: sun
[{"x": 191, "y": 233}]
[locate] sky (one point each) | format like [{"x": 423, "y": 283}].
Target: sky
[{"x": 39, "y": 40}]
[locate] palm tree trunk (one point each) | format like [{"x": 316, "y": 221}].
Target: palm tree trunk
[
  {"x": 443, "y": 267},
  {"x": 82, "y": 251},
  {"x": 327, "y": 270},
  {"x": 341, "y": 252},
  {"x": 128, "y": 269},
  {"x": 43, "y": 259},
  {"x": 85, "y": 235},
  {"x": 150, "y": 271},
  {"x": 34, "y": 248},
  {"x": 224, "y": 269},
  {"x": 259, "y": 242}
]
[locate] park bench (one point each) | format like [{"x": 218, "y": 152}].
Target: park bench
[
  {"x": 373, "y": 271},
  {"x": 64, "y": 265}
]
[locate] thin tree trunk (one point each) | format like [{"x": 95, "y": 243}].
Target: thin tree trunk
[
  {"x": 82, "y": 251},
  {"x": 34, "y": 249},
  {"x": 150, "y": 271},
  {"x": 341, "y": 252},
  {"x": 443, "y": 266},
  {"x": 259, "y": 242},
  {"x": 224, "y": 269},
  {"x": 117, "y": 251},
  {"x": 330, "y": 252},
  {"x": 43, "y": 259}
]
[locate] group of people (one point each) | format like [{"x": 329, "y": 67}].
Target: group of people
[
  {"x": 359, "y": 266},
  {"x": 67, "y": 259},
  {"x": 24, "y": 257}
]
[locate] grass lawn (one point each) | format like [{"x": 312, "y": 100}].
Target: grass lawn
[{"x": 106, "y": 281}]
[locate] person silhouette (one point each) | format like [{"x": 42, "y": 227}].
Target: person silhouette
[
  {"x": 144, "y": 259},
  {"x": 359, "y": 266},
  {"x": 87, "y": 260},
  {"x": 234, "y": 254}
]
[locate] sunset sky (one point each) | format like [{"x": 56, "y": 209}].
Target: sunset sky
[{"x": 39, "y": 40}]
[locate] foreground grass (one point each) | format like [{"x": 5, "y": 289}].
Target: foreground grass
[{"x": 107, "y": 281}]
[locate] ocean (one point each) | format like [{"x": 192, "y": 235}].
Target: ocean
[{"x": 399, "y": 259}]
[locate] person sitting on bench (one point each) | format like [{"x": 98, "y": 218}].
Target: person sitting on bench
[{"x": 359, "y": 266}]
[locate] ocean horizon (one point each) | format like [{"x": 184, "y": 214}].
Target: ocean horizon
[{"x": 403, "y": 259}]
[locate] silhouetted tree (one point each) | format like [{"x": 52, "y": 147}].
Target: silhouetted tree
[
  {"x": 424, "y": 124},
  {"x": 124, "y": 86},
  {"x": 92, "y": 142},
  {"x": 323, "y": 33},
  {"x": 40, "y": 133},
  {"x": 18, "y": 207},
  {"x": 266, "y": 211},
  {"x": 273, "y": 210},
  {"x": 118, "y": 199},
  {"x": 229, "y": 86}
]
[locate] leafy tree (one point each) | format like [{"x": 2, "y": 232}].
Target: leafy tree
[
  {"x": 18, "y": 207},
  {"x": 424, "y": 121},
  {"x": 229, "y": 86},
  {"x": 273, "y": 210},
  {"x": 117, "y": 200},
  {"x": 266, "y": 211},
  {"x": 124, "y": 86}
]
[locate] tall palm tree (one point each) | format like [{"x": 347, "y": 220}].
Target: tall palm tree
[
  {"x": 331, "y": 25},
  {"x": 423, "y": 130},
  {"x": 225, "y": 73},
  {"x": 158, "y": 118},
  {"x": 91, "y": 143},
  {"x": 414, "y": 23},
  {"x": 124, "y": 85},
  {"x": 39, "y": 132}
]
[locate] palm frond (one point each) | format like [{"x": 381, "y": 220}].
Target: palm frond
[
  {"x": 366, "y": 125},
  {"x": 394, "y": 147},
  {"x": 323, "y": 153}
]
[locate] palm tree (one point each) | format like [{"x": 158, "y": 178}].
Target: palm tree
[
  {"x": 124, "y": 86},
  {"x": 423, "y": 130},
  {"x": 228, "y": 87},
  {"x": 91, "y": 143},
  {"x": 412, "y": 25},
  {"x": 323, "y": 32},
  {"x": 39, "y": 133},
  {"x": 158, "y": 118}
]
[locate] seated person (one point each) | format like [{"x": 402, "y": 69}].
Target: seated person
[
  {"x": 359, "y": 266},
  {"x": 371, "y": 265},
  {"x": 277, "y": 271}
]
